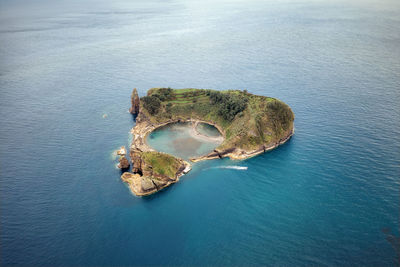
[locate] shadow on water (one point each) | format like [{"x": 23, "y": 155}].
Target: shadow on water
[
  {"x": 158, "y": 194},
  {"x": 121, "y": 171},
  {"x": 134, "y": 116}
]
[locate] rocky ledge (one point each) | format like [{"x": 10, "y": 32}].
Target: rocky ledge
[{"x": 148, "y": 182}]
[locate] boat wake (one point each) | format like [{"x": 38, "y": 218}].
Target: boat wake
[{"x": 241, "y": 168}]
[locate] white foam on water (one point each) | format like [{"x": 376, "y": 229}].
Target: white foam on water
[
  {"x": 241, "y": 168},
  {"x": 113, "y": 155}
]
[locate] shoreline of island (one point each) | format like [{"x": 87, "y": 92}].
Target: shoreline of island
[
  {"x": 151, "y": 169},
  {"x": 140, "y": 132},
  {"x": 233, "y": 153}
]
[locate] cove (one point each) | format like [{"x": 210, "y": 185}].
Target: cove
[{"x": 185, "y": 139}]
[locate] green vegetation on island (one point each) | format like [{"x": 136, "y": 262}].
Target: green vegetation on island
[
  {"x": 247, "y": 120},
  {"x": 250, "y": 125},
  {"x": 160, "y": 163}
]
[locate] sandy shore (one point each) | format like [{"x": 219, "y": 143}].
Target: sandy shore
[{"x": 196, "y": 134}]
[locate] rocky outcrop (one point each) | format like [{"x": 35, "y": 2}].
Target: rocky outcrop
[
  {"x": 121, "y": 151},
  {"x": 139, "y": 185},
  {"x": 135, "y": 103},
  {"x": 123, "y": 163},
  {"x": 136, "y": 161},
  {"x": 148, "y": 182}
]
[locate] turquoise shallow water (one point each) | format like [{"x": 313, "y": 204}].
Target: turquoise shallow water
[
  {"x": 325, "y": 198},
  {"x": 182, "y": 140},
  {"x": 207, "y": 130}
]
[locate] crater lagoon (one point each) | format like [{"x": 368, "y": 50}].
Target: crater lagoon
[{"x": 185, "y": 140}]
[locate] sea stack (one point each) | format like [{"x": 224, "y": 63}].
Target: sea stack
[{"x": 135, "y": 102}]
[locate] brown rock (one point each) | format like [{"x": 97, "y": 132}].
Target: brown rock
[
  {"x": 121, "y": 151},
  {"x": 136, "y": 162},
  {"x": 139, "y": 185},
  {"x": 123, "y": 163},
  {"x": 127, "y": 176},
  {"x": 147, "y": 184},
  {"x": 159, "y": 183},
  {"x": 147, "y": 171},
  {"x": 135, "y": 102}
]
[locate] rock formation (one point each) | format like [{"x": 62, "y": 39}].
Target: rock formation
[
  {"x": 123, "y": 163},
  {"x": 135, "y": 103},
  {"x": 145, "y": 180},
  {"x": 139, "y": 185},
  {"x": 121, "y": 151},
  {"x": 136, "y": 162}
]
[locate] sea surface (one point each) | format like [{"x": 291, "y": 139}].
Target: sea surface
[{"x": 328, "y": 197}]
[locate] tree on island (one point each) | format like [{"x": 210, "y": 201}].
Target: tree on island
[
  {"x": 152, "y": 104},
  {"x": 228, "y": 105}
]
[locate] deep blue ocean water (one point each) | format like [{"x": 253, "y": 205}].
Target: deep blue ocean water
[{"x": 324, "y": 198}]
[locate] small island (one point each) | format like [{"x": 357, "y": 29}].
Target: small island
[{"x": 249, "y": 124}]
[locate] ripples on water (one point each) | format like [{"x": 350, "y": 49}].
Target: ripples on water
[{"x": 329, "y": 197}]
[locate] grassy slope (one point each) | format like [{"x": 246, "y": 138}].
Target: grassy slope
[
  {"x": 264, "y": 121},
  {"x": 161, "y": 163}
]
